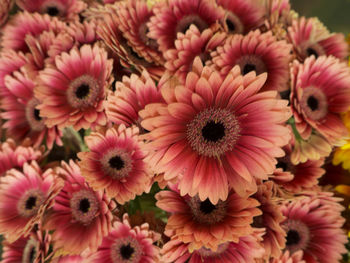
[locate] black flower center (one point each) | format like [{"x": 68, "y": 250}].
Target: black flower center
[
  {"x": 82, "y": 91},
  {"x": 248, "y": 68},
  {"x": 84, "y": 205},
  {"x": 282, "y": 165},
  {"x": 213, "y": 131},
  {"x": 37, "y": 115},
  {"x": 30, "y": 203},
  {"x": 312, "y": 102},
  {"x": 116, "y": 162},
  {"x": 126, "y": 251},
  {"x": 230, "y": 25},
  {"x": 52, "y": 11},
  {"x": 207, "y": 207},
  {"x": 293, "y": 237},
  {"x": 310, "y": 51}
]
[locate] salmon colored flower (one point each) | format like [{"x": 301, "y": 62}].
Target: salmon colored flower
[
  {"x": 115, "y": 163},
  {"x": 204, "y": 224},
  {"x": 214, "y": 133},
  {"x": 72, "y": 92},
  {"x": 259, "y": 52},
  {"x": 313, "y": 224},
  {"x": 80, "y": 216},
  {"x": 247, "y": 250},
  {"x": 24, "y": 198},
  {"x": 22, "y": 118},
  {"x": 174, "y": 16},
  {"x": 310, "y": 37},
  {"x": 126, "y": 244},
  {"x": 320, "y": 93}
]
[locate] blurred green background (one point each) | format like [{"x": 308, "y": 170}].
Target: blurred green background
[{"x": 335, "y": 14}]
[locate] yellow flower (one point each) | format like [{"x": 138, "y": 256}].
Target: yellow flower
[{"x": 342, "y": 153}]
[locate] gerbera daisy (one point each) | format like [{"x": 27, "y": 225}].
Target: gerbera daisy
[
  {"x": 38, "y": 47},
  {"x": 313, "y": 224},
  {"x": 133, "y": 16},
  {"x": 241, "y": 16},
  {"x": 114, "y": 38},
  {"x": 132, "y": 94},
  {"x": 314, "y": 148},
  {"x": 175, "y": 16},
  {"x": 204, "y": 224},
  {"x": 210, "y": 134},
  {"x": 271, "y": 218},
  {"x": 34, "y": 248},
  {"x": 23, "y": 119},
  {"x": 13, "y": 156},
  {"x": 297, "y": 177},
  {"x": 259, "y": 52},
  {"x": 279, "y": 17},
  {"x": 80, "y": 216},
  {"x": 320, "y": 92},
  {"x": 72, "y": 92},
  {"x": 190, "y": 45},
  {"x": 287, "y": 257},
  {"x": 24, "y": 23},
  {"x": 10, "y": 61},
  {"x": 310, "y": 37},
  {"x": 5, "y": 8},
  {"x": 72, "y": 259},
  {"x": 63, "y": 9},
  {"x": 77, "y": 34},
  {"x": 244, "y": 251},
  {"x": 24, "y": 198},
  {"x": 126, "y": 244},
  {"x": 116, "y": 163}
]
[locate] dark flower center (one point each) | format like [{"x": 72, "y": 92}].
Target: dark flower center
[
  {"x": 230, "y": 25},
  {"x": 126, "y": 251},
  {"x": 213, "y": 131},
  {"x": 207, "y": 207},
  {"x": 293, "y": 237},
  {"x": 84, "y": 205},
  {"x": 52, "y": 11},
  {"x": 116, "y": 162},
  {"x": 82, "y": 91},
  {"x": 248, "y": 68},
  {"x": 30, "y": 203},
  {"x": 310, "y": 51},
  {"x": 37, "y": 115},
  {"x": 312, "y": 102}
]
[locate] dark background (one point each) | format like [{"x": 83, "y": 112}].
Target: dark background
[{"x": 334, "y": 14}]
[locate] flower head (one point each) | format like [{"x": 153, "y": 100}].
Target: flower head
[
  {"x": 176, "y": 16},
  {"x": 72, "y": 92},
  {"x": 126, "y": 244},
  {"x": 215, "y": 132},
  {"x": 24, "y": 198},
  {"x": 79, "y": 213},
  {"x": 204, "y": 224},
  {"x": 116, "y": 163},
  {"x": 313, "y": 224},
  {"x": 259, "y": 52},
  {"x": 320, "y": 93},
  {"x": 23, "y": 119},
  {"x": 63, "y": 9},
  {"x": 244, "y": 251},
  {"x": 310, "y": 37}
]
